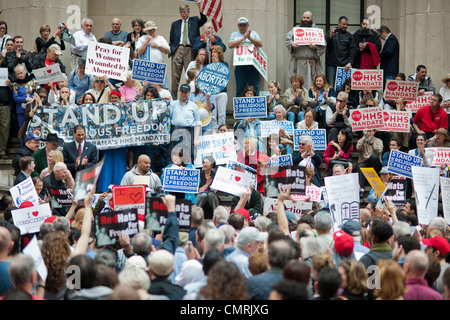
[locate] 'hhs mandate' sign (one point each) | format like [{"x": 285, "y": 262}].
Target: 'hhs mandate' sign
[
  {"x": 421, "y": 101},
  {"x": 367, "y": 79},
  {"x": 396, "y": 121},
  {"x": 249, "y": 55},
  {"x": 307, "y": 36},
  {"x": 367, "y": 118},
  {"x": 401, "y": 89}
]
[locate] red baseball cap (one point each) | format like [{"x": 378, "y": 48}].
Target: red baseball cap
[
  {"x": 26, "y": 204},
  {"x": 243, "y": 212},
  {"x": 439, "y": 243},
  {"x": 343, "y": 243}
]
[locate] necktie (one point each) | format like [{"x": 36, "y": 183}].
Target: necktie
[
  {"x": 79, "y": 150},
  {"x": 185, "y": 35}
]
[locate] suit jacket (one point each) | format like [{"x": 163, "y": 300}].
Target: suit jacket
[
  {"x": 70, "y": 153},
  {"x": 194, "y": 24},
  {"x": 19, "y": 154},
  {"x": 20, "y": 178},
  {"x": 40, "y": 159},
  {"x": 389, "y": 56}
]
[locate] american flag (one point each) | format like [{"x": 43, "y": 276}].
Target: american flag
[{"x": 213, "y": 10}]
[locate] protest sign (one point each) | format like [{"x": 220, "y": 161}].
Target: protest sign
[
  {"x": 281, "y": 161},
  {"x": 32, "y": 249},
  {"x": 250, "y": 107},
  {"x": 107, "y": 60},
  {"x": 420, "y": 102},
  {"x": 152, "y": 72},
  {"x": 109, "y": 125},
  {"x": 296, "y": 207},
  {"x": 213, "y": 78},
  {"x": 3, "y": 76},
  {"x": 270, "y": 127},
  {"x": 367, "y": 118},
  {"x": 319, "y": 138},
  {"x": 181, "y": 180},
  {"x": 406, "y": 90},
  {"x": 59, "y": 197},
  {"x": 250, "y": 55},
  {"x": 234, "y": 165},
  {"x": 156, "y": 214},
  {"x": 313, "y": 193},
  {"x": 110, "y": 224},
  {"x": 24, "y": 191},
  {"x": 396, "y": 121},
  {"x": 374, "y": 180},
  {"x": 341, "y": 76},
  {"x": 426, "y": 188},
  {"x": 396, "y": 192},
  {"x": 371, "y": 79},
  {"x": 212, "y": 145},
  {"x": 281, "y": 177},
  {"x": 29, "y": 219},
  {"x": 52, "y": 73},
  {"x": 445, "y": 192},
  {"x": 231, "y": 181},
  {"x": 129, "y": 197},
  {"x": 441, "y": 156},
  {"x": 343, "y": 201},
  {"x": 86, "y": 179},
  {"x": 307, "y": 36},
  {"x": 400, "y": 163}
]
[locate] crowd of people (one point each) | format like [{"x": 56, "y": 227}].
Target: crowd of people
[{"x": 240, "y": 252}]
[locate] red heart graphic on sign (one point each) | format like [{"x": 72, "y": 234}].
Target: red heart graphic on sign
[
  {"x": 49, "y": 71},
  {"x": 237, "y": 178},
  {"x": 135, "y": 197},
  {"x": 35, "y": 213}
]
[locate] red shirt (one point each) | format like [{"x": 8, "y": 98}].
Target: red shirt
[{"x": 429, "y": 121}]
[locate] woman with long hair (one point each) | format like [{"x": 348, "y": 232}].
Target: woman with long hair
[
  {"x": 339, "y": 151},
  {"x": 321, "y": 94}
]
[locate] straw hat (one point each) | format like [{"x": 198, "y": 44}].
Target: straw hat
[{"x": 447, "y": 77}]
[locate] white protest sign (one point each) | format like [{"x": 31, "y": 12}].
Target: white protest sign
[
  {"x": 343, "y": 201},
  {"x": 441, "y": 156},
  {"x": 272, "y": 126},
  {"x": 3, "y": 76},
  {"x": 231, "y": 181},
  {"x": 107, "y": 60},
  {"x": 28, "y": 220},
  {"x": 313, "y": 193},
  {"x": 367, "y": 118},
  {"x": 395, "y": 90},
  {"x": 296, "y": 207},
  {"x": 307, "y": 36},
  {"x": 371, "y": 79},
  {"x": 24, "y": 191},
  {"x": 426, "y": 188},
  {"x": 32, "y": 249},
  {"x": 248, "y": 54},
  {"x": 396, "y": 121},
  {"x": 421, "y": 101},
  {"x": 445, "y": 191},
  {"x": 48, "y": 74},
  {"x": 212, "y": 145}
]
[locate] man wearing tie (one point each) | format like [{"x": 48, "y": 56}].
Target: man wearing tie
[
  {"x": 183, "y": 33},
  {"x": 79, "y": 154}
]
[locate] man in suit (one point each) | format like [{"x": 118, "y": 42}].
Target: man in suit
[
  {"x": 389, "y": 55},
  {"x": 183, "y": 33},
  {"x": 79, "y": 154},
  {"x": 27, "y": 168}
]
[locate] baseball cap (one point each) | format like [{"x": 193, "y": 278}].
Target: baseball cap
[
  {"x": 185, "y": 88},
  {"x": 31, "y": 136},
  {"x": 439, "y": 243},
  {"x": 56, "y": 48},
  {"x": 244, "y": 212},
  {"x": 117, "y": 93},
  {"x": 251, "y": 234},
  {"x": 343, "y": 243},
  {"x": 352, "y": 227},
  {"x": 384, "y": 170},
  {"x": 242, "y": 20}
]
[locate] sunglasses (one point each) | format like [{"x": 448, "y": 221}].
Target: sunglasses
[
  {"x": 340, "y": 101},
  {"x": 99, "y": 81}
]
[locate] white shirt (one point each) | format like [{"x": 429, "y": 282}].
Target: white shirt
[
  {"x": 80, "y": 42},
  {"x": 152, "y": 54},
  {"x": 3, "y": 42}
]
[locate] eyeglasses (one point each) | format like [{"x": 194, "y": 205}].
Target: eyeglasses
[
  {"x": 2, "y": 28},
  {"x": 99, "y": 81}
]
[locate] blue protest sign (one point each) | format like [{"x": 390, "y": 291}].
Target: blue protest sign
[
  {"x": 213, "y": 78},
  {"x": 179, "y": 180},
  {"x": 272, "y": 126},
  {"x": 341, "y": 76},
  {"x": 318, "y": 136},
  {"x": 151, "y": 71},
  {"x": 250, "y": 107},
  {"x": 281, "y": 161},
  {"x": 401, "y": 163}
]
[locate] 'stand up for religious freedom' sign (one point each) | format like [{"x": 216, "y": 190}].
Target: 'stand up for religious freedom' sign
[{"x": 153, "y": 72}]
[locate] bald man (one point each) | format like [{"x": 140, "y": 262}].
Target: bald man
[
  {"x": 142, "y": 169},
  {"x": 117, "y": 36}
]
